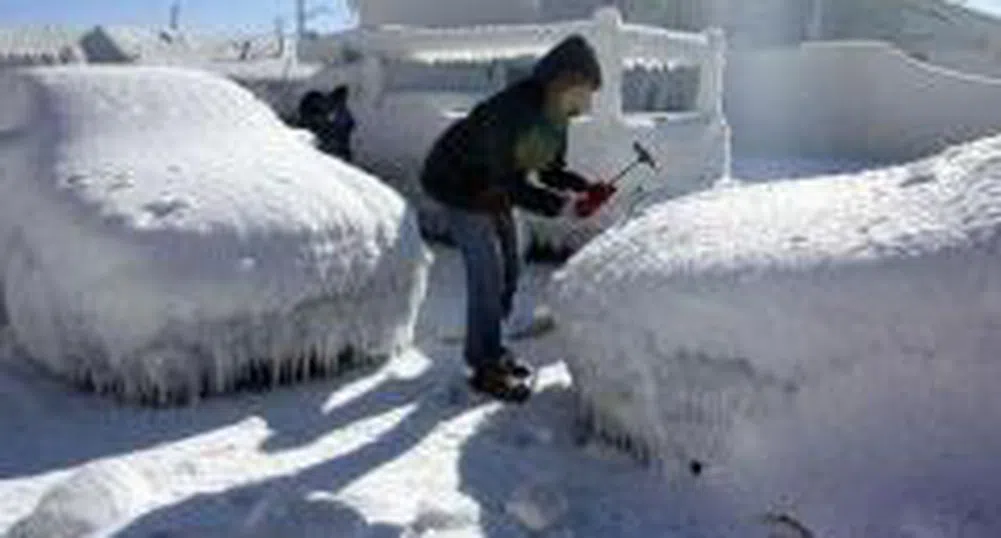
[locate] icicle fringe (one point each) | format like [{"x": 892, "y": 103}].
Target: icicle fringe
[{"x": 320, "y": 338}]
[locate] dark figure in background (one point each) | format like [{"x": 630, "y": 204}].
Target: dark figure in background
[
  {"x": 327, "y": 116},
  {"x": 313, "y": 114},
  {"x": 342, "y": 123}
]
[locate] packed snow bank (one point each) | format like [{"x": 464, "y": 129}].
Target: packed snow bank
[
  {"x": 92, "y": 500},
  {"x": 899, "y": 448},
  {"x": 166, "y": 234},
  {"x": 832, "y": 341}
]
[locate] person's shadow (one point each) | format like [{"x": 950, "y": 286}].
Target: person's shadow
[
  {"x": 267, "y": 510},
  {"x": 34, "y": 404},
  {"x": 299, "y": 417}
]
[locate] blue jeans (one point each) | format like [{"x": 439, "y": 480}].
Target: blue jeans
[{"x": 489, "y": 248}]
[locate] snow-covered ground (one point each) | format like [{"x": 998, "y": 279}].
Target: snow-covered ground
[
  {"x": 396, "y": 450},
  {"x": 400, "y": 450}
]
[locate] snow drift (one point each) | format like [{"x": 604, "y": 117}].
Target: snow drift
[
  {"x": 829, "y": 344},
  {"x": 93, "y": 499},
  {"x": 166, "y": 235}
]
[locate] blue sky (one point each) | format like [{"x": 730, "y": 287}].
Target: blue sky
[
  {"x": 211, "y": 14},
  {"x": 990, "y": 6}
]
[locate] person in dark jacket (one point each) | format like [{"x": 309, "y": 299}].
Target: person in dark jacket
[
  {"x": 313, "y": 113},
  {"x": 342, "y": 124},
  {"x": 479, "y": 169},
  {"x": 327, "y": 116}
]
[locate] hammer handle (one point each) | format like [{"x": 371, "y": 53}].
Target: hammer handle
[{"x": 624, "y": 171}]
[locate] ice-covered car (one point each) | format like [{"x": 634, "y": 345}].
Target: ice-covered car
[
  {"x": 827, "y": 346},
  {"x": 165, "y": 236}
]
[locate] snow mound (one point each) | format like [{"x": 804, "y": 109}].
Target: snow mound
[
  {"x": 166, "y": 235},
  {"x": 94, "y": 499},
  {"x": 834, "y": 336},
  {"x": 315, "y": 515},
  {"x": 853, "y": 458},
  {"x": 444, "y": 515},
  {"x": 538, "y": 507}
]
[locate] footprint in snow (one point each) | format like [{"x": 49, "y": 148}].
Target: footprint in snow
[
  {"x": 122, "y": 181},
  {"x": 76, "y": 180},
  {"x": 919, "y": 179},
  {"x": 163, "y": 208}
]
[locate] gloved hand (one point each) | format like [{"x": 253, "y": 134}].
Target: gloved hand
[{"x": 593, "y": 198}]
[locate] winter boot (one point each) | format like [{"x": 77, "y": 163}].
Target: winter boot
[
  {"x": 498, "y": 383},
  {"x": 515, "y": 366}
]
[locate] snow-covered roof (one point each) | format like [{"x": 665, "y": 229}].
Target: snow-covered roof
[
  {"x": 31, "y": 45},
  {"x": 480, "y": 42},
  {"x": 51, "y": 44},
  {"x": 487, "y": 56},
  {"x": 267, "y": 69},
  {"x": 961, "y": 14},
  {"x": 642, "y": 45},
  {"x": 152, "y": 45},
  {"x": 446, "y": 12},
  {"x": 203, "y": 234}
]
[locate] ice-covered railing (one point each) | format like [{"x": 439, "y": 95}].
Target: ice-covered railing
[
  {"x": 617, "y": 44},
  {"x": 396, "y": 128}
]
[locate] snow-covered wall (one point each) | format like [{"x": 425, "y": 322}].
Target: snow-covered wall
[
  {"x": 165, "y": 235},
  {"x": 826, "y": 345},
  {"x": 955, "y": 36},
  {"x": 985, "y": 62},
  {"x": 446, "y": 12},
  {"x": 861, "y": 100}
]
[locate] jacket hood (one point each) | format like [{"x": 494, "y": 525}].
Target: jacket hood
[{"x": 572, "y": 55}]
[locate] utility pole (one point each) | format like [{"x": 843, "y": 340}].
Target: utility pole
[
  {"x": 815, "y": 24},
  {"x": 280, "y": 36},
  {"x": 175, "y": 16},
  {"x": 300, "y": 19},
  {"x": 303, "y": 14}
]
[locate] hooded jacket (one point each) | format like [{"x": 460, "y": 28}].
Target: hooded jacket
[{"x": 508, "y": 135}]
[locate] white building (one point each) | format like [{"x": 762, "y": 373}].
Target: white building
[
  {"x": 410, "y": 81},
  {"x": 681, "y": 14},
  {"x": 444, "y": 13},
  {"x": 265, "y": 63},
  {"x": 41, "y": 45},
  {"x": 939, "y": 31}
]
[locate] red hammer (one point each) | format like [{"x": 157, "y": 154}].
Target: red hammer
[
  {"x": 642, "y": 157},
  {"x": 601, "y": 192}
]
